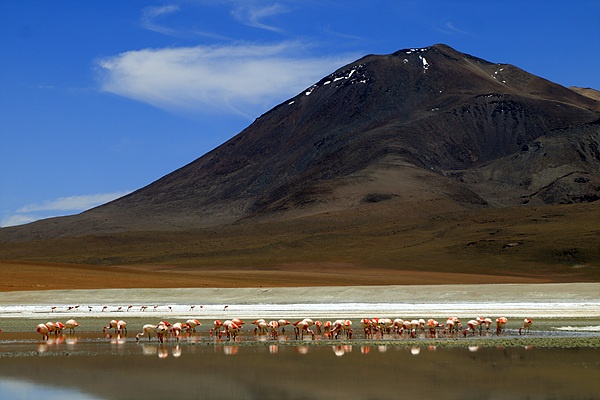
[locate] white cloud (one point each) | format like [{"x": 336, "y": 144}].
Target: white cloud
[
  {"x": 243, "y": 78},
  {"x": 72, "y": 203},
  {"x": 58, "y": 207},
  {"x": 18, "y": 219}
]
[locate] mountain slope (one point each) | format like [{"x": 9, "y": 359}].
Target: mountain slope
[{"x": 427, "y": 130}]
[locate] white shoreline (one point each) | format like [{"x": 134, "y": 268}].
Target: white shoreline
[{"x": 576, "y": 300}]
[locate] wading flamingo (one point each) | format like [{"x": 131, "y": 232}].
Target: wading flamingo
[
  {"x": 500, "y": 322},
  {"x": 433, "y": 326},
  {"x": 231, "y": 329},
  {"x": 527, "y": 322},
  {"x": 303, "y": 326},
  {"x": 217, "y": 324},
  {"x": 146, "y": 329},
  {"x": 44, "y": 331},
  {"x": 121, "y": 326},
  {"x": 282, "y": 323},
  {"x": 113, "y": 324},
  {"x": 273, "y": 325},
  {"x": 192, "y": 324},
  {"x": 471, "y": 326},
  {"x": 71, "y": 325},
  {"x": 261, "y": 326}
]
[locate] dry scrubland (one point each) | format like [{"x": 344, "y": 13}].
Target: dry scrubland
[{"x": 509, "y": 245}]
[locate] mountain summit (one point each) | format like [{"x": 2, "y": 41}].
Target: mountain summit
[{"x": 425, "y": 128}]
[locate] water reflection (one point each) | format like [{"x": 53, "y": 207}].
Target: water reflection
[{"x": 202, "y": 363}]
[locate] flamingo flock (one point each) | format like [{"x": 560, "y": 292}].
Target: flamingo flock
[
  {"x": 372, "y": 328},
  {"x": 56, "y": 328}
]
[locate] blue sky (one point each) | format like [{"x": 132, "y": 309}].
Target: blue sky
[{"x": 100, "y": 98}]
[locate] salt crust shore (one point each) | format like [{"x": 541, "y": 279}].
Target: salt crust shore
[{"x": 563, "y": 300}]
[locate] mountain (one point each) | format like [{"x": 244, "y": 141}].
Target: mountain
[{"x": 427, "y": 131}]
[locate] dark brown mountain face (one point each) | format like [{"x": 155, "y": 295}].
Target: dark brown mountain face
[{"x": 417, "y": 127}]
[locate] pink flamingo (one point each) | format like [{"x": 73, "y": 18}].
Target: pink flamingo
[
  {"x": 146, "y": 329},
  {"x": 44, "y": 331},
  {"x": 273, "y": 325},
  {"x": 282, "y": 323},
  {"x": 217, "y": 324},
  {"x": 71, "y": 325},
  {"x": 113, "y": 324},
  {"x": 192, "y": 324},
  {"x": 472, "y": 325},
  {"x": 500, "y": 322},
  {"x": 303, "y": 326},
  {"x": 121, "y": 326},
  {"x": 527, "y": 322}
]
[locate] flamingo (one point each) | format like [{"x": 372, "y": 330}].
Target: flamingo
[
  {"x": 217, "y": 324},
  {"x": 71, "y": 325},
  {"x": 44, "y": 331},
  {"x": 432, "y": 324},
  {"x": 121, "y": 326},
  {"x": 261, "y": 326},
  {"x": 484, "y": 322},
  {"x": 414, "y": 325},
  {"x": 472, "y": 324},
  {"x": 365, "y": 323},
  {"x": 113, "y": 324},
  {"x": 176, "y": 329},
  {"x": 385, "y": 324},
  {"x": 231, "y": 329},
  {"x": 146, "y": 329},
  {"x": 273, "y": 325},
  {"x": 192, "y": 324},
  {"x": 162, "y": 330},
  {"x": 500, "y": 322},
  {"x": 282, "y": 323},
  {"x": 449, "y": 327},
  {"x": 319, "y": 325},
  {"x": 54, "y": 327},
  {"x": 327, "y": 328},
  {"x": 303, "y": 326},
  {"x": 527, "y": 322},
  {"x": 342, "y": 326},
  {"x": 238, "y": 322},
  {"x": 406, "y": 327},
  {"x": 59, "y": 327},
  {"x": 397, "y": 325}
]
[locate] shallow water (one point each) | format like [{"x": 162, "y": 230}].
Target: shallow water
[
  {"x": 150, "y": 370},
  {"x": 107, "y": 366}
]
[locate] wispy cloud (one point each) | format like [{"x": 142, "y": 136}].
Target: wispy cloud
[
  {"x": 254, "y": 15},
  {"x": 450, "y": 28},
  {"x": 151, "y": 14},
  {"x": 56, "y": 207},
  {"x": 243, "y": 78}
]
